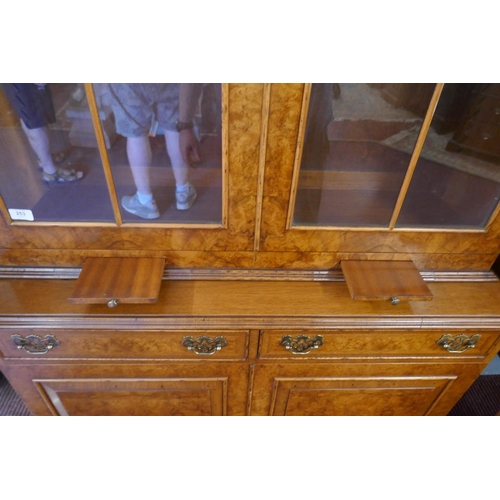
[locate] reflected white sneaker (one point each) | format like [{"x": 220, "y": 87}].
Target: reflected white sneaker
[
  {"x": 185, "y": 199},
  {"x": 132, "y": 205}
]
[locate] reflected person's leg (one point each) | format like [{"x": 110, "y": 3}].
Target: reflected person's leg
[
  {"x": 40, "y": 143},
  {"x": 185, "y": 193},
  {"x": 139, "y": 156}
]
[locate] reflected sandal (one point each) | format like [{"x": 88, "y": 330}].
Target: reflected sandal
[
  {"x": 62, "y": 175},
  {"x": 57, "y": 158}
]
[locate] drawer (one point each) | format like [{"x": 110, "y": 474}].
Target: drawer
[
  {"x": 102, "y": 344},
  {"x": 298, "y": 344}
]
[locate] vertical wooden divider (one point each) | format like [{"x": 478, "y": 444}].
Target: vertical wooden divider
[
  {"x": 96, "y": 121},
  {"x": 225, "y": 153},
  {"x": 262, "y": 164}
]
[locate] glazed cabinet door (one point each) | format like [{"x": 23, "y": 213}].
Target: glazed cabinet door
[
  {"x": 381, "y": 172},
  {"x": 358, "y": 389},
  {"x": 129, "y": 169},
  {"x": 150, "y": 390}
]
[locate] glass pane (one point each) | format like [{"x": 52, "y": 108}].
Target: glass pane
[
  {"x": 50, "y": 167},
  {"x": 358, "y": 142},
  {"x": 165, "y": 149},
  {"x": 457, "y": 180}
]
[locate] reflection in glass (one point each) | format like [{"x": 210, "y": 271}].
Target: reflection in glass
[
  {"x": 167, "y": 156},
  {"x": 358, "y": 142},
  {"x": 50, "y": 168},
  {"x": 456, "y": 183}
]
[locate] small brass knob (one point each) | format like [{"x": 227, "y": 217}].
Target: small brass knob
[
  {"x": 395, "y": 301},
  {"x": 112, "y": 303}
]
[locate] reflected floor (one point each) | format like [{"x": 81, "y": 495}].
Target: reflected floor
[
  {"x": 359, "y": 183},
  {"x": 87, "y": 200}
]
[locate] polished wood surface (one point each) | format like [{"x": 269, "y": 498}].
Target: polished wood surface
[
  {"x": 383, "y": 280},
  {"x": 123, "y": 279},
  {"x": 376, "y": 359},
  {"x": 239, "y": 303}
]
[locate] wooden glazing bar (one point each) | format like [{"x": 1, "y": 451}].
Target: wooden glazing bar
[
  {"x": 493, "y": 218},
  {"x": 298, "y": 153},
  {"x": 225, "y": 154},
  {"x": 416, "y": 153},
  {"x": 266, "y": 98},
  {"x": 96, "y": 121},
  {"x": 5, "y": 211}
]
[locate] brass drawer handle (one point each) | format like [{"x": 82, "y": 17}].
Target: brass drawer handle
[
  {"x": 458, "y": 343},
  {"x": 204, "y": 345},
  {"x": 34, "y": 344},
  {"x": 301, "y": 344}
]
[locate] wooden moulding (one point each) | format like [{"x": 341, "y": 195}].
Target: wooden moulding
[
  {"x": 124, "y": 280},
  {"x": 384, "y": 280}
]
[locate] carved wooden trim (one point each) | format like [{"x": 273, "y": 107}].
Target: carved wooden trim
[
  {"x": 220, "y": 323},
  {"x": 214, "y": 274}
]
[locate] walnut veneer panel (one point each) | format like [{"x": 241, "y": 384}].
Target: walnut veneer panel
[
  {"x": 357, "y": 396},
  {"x": 374, "y": 345},
  {"x": 137, "y": 344},
  {"x": 403, "y": 388},
  {"x": 130, "y": 397},
  {"x": 173, "y": 388}
]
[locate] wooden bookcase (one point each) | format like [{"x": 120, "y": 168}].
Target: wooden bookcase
[{"x": 253, "y": 316}]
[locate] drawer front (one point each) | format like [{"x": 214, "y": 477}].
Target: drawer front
[
  {"x": 298, "y": 344},
  {"x": 90, "y": 344}
]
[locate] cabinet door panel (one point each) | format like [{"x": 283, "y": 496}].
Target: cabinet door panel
[
  {"x": 355, "y": 396},
  {"x": 119, "y": 397},
  {"x": 124, "y": 389},
  {"x": 358, "y": 389}
]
